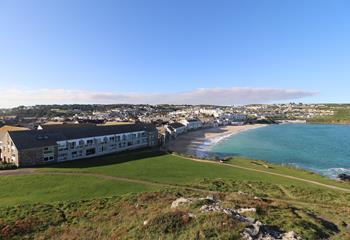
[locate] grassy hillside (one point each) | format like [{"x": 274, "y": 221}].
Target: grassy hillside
[
  {"x": 74, "y": 194},
  {"x": 150, "y": 216},
  {"x": 341, "y": 115},
  {"x": 171, "y": 169}
]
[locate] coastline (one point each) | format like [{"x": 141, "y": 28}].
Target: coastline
[{"x": 198, "y": 142}]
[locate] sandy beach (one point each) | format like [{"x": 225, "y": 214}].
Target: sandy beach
[{"x": 197, "y": 142}]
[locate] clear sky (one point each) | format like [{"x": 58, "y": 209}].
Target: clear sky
[{"x": 102, "y": 51}]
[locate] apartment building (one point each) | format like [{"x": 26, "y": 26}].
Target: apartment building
[{"x": 70, "y": 142}]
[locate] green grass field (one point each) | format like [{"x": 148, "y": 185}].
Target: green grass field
[
  {"x": 86, "y": 191},
  {"x": 50, "y": 188},
  {"x": 170, "y": 169},
  {"x": 153, "y": 167}
]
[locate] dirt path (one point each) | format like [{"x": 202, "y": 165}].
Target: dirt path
[{"x": 20, "y": 171}]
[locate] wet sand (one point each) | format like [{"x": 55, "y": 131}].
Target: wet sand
[{"x": 197, "y": 142}]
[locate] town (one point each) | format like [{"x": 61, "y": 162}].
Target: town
[{"x": 53, "y": 133}]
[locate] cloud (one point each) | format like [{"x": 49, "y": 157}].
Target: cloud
[{"x": 214, "y": 96}]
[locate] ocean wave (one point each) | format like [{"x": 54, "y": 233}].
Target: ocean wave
[{"x": 333, "y": 172}]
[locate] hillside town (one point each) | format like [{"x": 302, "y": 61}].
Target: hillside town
[
  {"x": 45, "y": 133},
  {"x": 32, "y": 116}
]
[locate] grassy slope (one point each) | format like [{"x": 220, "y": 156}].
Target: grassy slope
[
  {"x": 341, "y": 115},
  {"x": 123, "y": 218},
  {"x": 42, "y": 188},
  {"x": 288, "y": 170},
  {"x": 294, "y": 198},
  {"x": 177, "y": 170}
]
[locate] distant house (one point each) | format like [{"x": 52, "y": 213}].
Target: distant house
[
  {"x": 175, "y": 129},
  {"x": 192, "y": 124},
  {"x": 65, "y": 142}
]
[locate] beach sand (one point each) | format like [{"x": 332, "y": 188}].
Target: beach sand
[{"x": 197, "y": 142}]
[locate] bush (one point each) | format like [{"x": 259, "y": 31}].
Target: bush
[{"x": 7, "y": 166}]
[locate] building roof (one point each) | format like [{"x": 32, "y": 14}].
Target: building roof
[
  {"x": 176, "y": 125},
  {"x": 4, "y": 129},
  {"x": 49, "y": 136},
  {"x": 66, "y": 125},
  {"x": 193, "y": 120}
]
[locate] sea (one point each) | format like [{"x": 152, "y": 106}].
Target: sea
[{"x": 324, "y": 149}]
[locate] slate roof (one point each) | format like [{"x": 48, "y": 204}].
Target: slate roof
[
  {"x": 193, "y": 120},
  {"x": 6, "y": 128},
  {"x": 176, "y": 125},
  {"x": 49, "y": 136}
]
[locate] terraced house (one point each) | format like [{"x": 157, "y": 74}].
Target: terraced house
[{"x": 70, "y": 142}]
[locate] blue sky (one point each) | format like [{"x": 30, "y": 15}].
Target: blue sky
[{"x": 81, "y": 51}]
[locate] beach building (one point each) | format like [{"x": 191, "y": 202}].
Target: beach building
[
  {"x": 175, "y": 129},
  {"x": 192, "y": 124},
  {"x": 56, "y": 143}
]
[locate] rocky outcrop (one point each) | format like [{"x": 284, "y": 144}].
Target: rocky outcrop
[
  {"x": 180, "y": 201},
  {"x": 254, "y": 230},
  {"x": 290, "y": 236},
  {"x": 344, "y": 177},
  {"x": 245, "y": 210}
]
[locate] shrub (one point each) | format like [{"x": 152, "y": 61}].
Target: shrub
[
  {"x": 169, "y": 222},
  {"x": 7, "y": 166}
]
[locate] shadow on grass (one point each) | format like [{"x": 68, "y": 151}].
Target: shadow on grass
[{"x": 106, "y": 160}]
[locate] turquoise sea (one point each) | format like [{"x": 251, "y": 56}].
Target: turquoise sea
[{"x": 324, "y": 149}]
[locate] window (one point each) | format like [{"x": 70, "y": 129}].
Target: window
[
  {"x": 90, "y": 151},
  {"x": 102, "y": 149},
  {"x": 112, "y": 139},
  {"x": 64, "y": 155},
  {"x": 89, "y": 142},
  {"x": 50, "y": 158}
]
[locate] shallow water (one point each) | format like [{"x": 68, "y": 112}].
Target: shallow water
[{"x": 324, "y": 149}]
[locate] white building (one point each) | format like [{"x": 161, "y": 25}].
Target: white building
[
  {"x": 192, "y": 124},
  {"x": 175, "y": 129}
]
